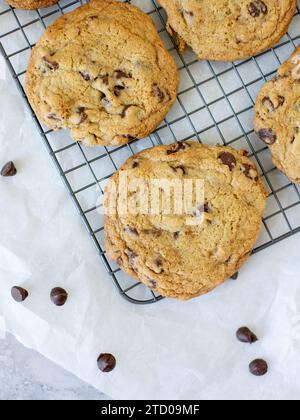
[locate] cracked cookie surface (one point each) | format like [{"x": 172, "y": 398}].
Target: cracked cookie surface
[
  {"x": 31, "y": 4},
  {"x": 103, "y": 72},
  {"x": 228, "y": 29},
  {"x": 277, "y": 117},
  {"x": 177, "y": 255}
]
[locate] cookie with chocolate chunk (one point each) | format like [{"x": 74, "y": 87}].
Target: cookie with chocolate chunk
[
  {"x": 103, "y": 72},
  {"x": 31, "y": 4},
  {"x": 184, "y": 218},
  {"x": 277, "y": 117},
  {"x": 228, "y": 30}
]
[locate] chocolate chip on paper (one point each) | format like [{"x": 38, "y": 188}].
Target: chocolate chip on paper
[
  {"x": 19, "y": 294},
  {"x": 258, "y": 367},
  {"x": 106, "y": 362},
  {"x": 245, "y": 335},
  {"x": 58, "y": 296}
]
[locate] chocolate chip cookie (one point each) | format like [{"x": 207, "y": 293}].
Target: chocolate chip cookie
[
  {"x": 228, "y": 30},
  {"x": 177, "y": 241},
  {"x": 103, "y": 72},
  {"x": 277, "y": 117},
  {"x": 31, "y": 4}
]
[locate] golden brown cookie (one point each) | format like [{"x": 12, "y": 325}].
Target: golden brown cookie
[
  {"x": 31, "y": 4},
  {"x": 228, "y": 29},
  {"x": 103, "y": 72},
  {"x": 277, "y": 117},
  {"x": 186, "y": 252}
]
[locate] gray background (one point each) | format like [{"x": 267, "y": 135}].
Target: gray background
[{"x": 26, "y": 375}]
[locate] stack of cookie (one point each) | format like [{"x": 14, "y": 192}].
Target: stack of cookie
[{"x": 103, "y": 72}]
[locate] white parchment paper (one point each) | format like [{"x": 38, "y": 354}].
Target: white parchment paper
[{"x": 167, "y": 350}]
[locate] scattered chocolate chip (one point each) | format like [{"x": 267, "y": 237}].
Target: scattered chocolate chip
[
  {"x": 177, "y": 147},
  {"x": 258, "y": 367},
  {"x": 267, "y": 136},
  {"x": 135, "y": 164},
  {"x": 85, "y": 75},
  {"x": 19, "y": 294},
  {"x": 52, "y": 65},
  {"x": 9, "y": 169},
  {"x": 246, "y": 153},
  {"x": 106, "y": 362},
  {"x": 59, "y": 296},
  {"x": 256, "y": 8},
  {"x": 228, "y": 159},
  {"x": 235, "y": 276},
  {"x": 121, "y": 74},
  {"x": 158, "y": 93},
  {"x": 244, "y": 335}
]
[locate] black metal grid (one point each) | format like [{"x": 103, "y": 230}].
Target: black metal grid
[{"x": 214, "y": 104}]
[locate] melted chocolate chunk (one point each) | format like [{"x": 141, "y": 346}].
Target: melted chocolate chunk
[
  {"x": 257, "y": 7},
  {"x": 85, "y": 75},
  {"x": 176, "y": 235},
  {"x": 235, "y": 276},
  {"x": 267, "y": 136},
  {"x": 52, "y": 65},
  {"x": 121, "y": 74},
  {"x": 177, "y": 147},
  {"x": 53, "y": 117},
  {"x": 131, "y": 255},
  {"x": 250, "y": 172},
  {"x": 126, "y": 107},
  {"x": 83, "y": 115},
  {"x": 228, "y": 159},
  {"x": 158, "y": 93},
  {"x": 118, "y": 90},
  {"x": 179, "y": 168},
  {"x": 105, "y": 80},
  {"x": 152, "y": 284},
  {"x": 271, "y": 106}
]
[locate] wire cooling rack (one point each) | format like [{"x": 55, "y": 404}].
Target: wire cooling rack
[{"x": 214, "y": 105}]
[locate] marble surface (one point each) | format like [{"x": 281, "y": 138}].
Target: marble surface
[{"x": 26, "y": 375}]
